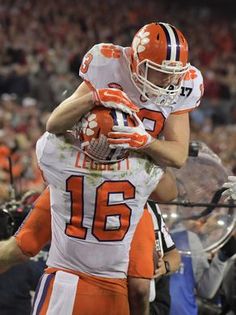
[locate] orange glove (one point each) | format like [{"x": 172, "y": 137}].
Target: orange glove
[
  {"x": 114, "y": 98},
  {"x": 130, "y": 137}
]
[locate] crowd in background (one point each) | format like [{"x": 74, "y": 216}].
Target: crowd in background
[{"x": 42, "y": 44}]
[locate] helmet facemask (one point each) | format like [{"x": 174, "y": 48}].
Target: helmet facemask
[{"x": 162, "y": 94}]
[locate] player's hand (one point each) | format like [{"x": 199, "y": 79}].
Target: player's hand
[
  {"x": 130, "y": 137},
  {"x": 114, "y": 98},
  {"x": 230, "y": 192},
  {"x": 160, "y": 269},
  {"x": 10, "y": 254},
  {"x": 98, "y": 149}
]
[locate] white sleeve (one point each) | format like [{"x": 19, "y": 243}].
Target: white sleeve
[
  {"x": 97, "y": 60},
  {"x": 47, "y": 156},
  {"x": 191, "y": 93},
  {"x": 40, "y": 146},
  {"x": 46, "y": 148},
  {"x": 92, "y": 66}
]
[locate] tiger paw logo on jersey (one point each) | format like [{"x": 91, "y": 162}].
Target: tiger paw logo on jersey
[
  {"x": 141, "y": 39},
  {"x": 110, "y": 51},
  {"x": 190, "y": 75}
]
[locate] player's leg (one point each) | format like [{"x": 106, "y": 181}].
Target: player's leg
[
  {"x": 141, "y": 265},
  {"x": 61, "y": 293},
  {"x": 139, "y": 295},
  {"x": 101, "y": 296}
]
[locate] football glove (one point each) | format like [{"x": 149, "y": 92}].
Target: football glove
[
  {"x": 134, "y": 138},
  {"x": 97, "y": 149},
  {"x": 230, "y": 192},
  {"x": 114, "y": 98}
]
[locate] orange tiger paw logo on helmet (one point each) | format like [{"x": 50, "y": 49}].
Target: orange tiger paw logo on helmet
[
  {"x": 140, "y": 41},
  {"x": 190, "y": 75},
  {"x": 110, "y": 51}
]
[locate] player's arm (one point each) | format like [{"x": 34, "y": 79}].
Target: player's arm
[
  {"x": 168, "y": 264},
  {"x": 71, "y": 110},
  {"x": 82, "y": 101},
  {"x": 35, "y": 231},
  {"x": 10, "y": 254},
  {"x": 211, "y": 278},
  {"x": 174, "y": 259},
  {"x": 32, "y": 236},
  {"x": 173, "y": 151},
  {"x": 166, "y": 190}
]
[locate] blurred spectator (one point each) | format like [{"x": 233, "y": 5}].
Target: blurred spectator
[
  {"x": 224, "y": 302},
  {"x": 196, "y": 274},
  {"x": 20, "y": 127},
  {"x": 228, "y": 288}
]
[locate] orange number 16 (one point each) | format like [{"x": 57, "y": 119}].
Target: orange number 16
[{"x": 102, "y": 209}]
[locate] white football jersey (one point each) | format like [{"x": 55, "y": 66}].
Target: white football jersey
[
  {"x": 107, "y": 66},
  {"x": 95, "y": 207}
]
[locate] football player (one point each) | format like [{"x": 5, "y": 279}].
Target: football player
[
  {"x": 95, "y": 209},
  {"x": 156, "y": 75}
]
